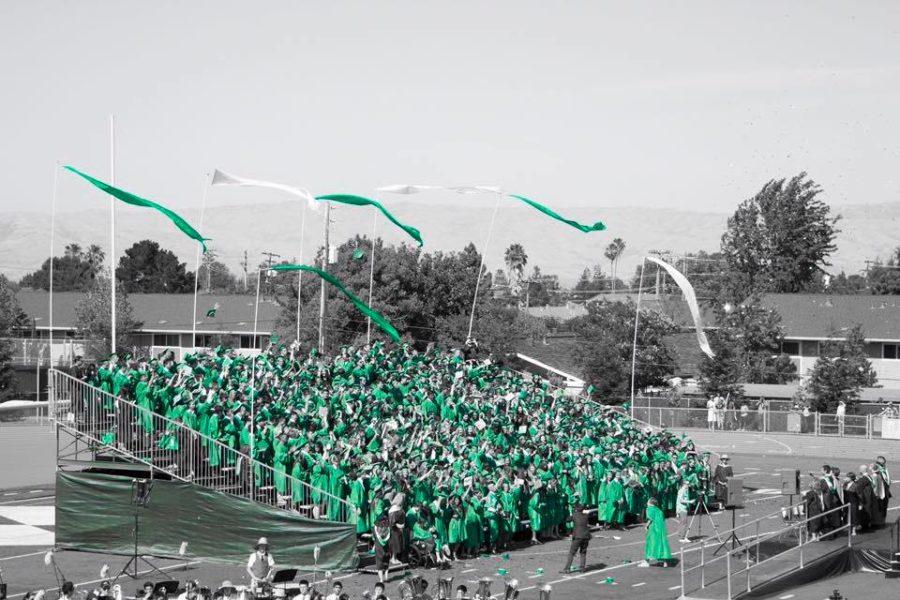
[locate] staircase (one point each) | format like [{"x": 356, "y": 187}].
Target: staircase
[{"x": 103, "y": 427}]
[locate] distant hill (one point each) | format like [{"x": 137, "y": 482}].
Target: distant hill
[{"x": 867, "y": 231}]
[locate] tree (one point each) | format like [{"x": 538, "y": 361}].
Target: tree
[
  {"x": 613, "y": 253},
  {"x": 74, "y": 271},
  {"x": 515, "y": 259},
  {"x": 885, "y": 278},
  {"x": 11, "y": 317},
  {"x": 543, "y": 289},
  {"x": 747, "y": 347},
  {"x": 416, "y": 291},
  {"x": 604, "y": 340},
  {"x": 847, "y": 284},
  {"x": 92, "y": 318},
  {"x": 840, "y": 372},
  {"x": 497, "y": 329},
  {"x": 213, "y": 274},
  {"x": 147, "y": 268},
  {"x": 778, "y": 241}
]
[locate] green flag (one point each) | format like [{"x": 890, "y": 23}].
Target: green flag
[
  {"x": 211, "y": 313},
  {"x": 360, "y": 201},
  {"x": 364, "y": 308},
  {"x": 598, "y": 226},
  {"x": 129, "y": 198}
]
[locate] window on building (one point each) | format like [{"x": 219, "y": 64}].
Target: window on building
[
  {"x": 166, "y": 339},
  {"x": 890, "y": 350},
  {"x": 790, "y": 348}
]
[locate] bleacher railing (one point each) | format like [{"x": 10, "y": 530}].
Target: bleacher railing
[
  {"x": 118, "y": 425},
  {"x": 765, "y": 421}
]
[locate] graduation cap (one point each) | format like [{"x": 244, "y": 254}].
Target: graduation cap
[
  {"x": 211, "y": 313},
  {"x": 358, "y": 254}
]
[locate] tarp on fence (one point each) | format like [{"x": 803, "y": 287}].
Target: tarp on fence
[{"x": 94, "y": 512}]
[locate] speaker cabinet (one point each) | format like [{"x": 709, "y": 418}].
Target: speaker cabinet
[
  {"x": 735, "y": 493},
  {"x": 790, "y": 482}
]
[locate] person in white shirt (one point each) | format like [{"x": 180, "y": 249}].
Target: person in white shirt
[
  {"x": 711, "y": 413},
  {"x": 682, "y": 510},
  {"x": 336, "y": 590},
  {"x": 260, "y": 565}
]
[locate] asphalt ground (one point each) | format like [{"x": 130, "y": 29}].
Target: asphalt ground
[{"x": 613, "y": 557}]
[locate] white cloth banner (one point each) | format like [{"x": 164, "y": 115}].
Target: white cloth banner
[
  {"x": 688, "y": 290},
  {"x": 403, "y": 188},
  {"x": 223, "y": 178}
]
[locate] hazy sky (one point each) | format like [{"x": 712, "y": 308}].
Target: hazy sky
[{"x": 677, "y": 104}]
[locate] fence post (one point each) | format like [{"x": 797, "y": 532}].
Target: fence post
[
  {"x": 728, "y": 571},
  {"x": 681, "y": 564},
  {"x": 800, "y": 541},
  {"x": 849, "y": 527},
  {"x": 702, "y": 565}
]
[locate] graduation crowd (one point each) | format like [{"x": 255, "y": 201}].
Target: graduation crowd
[{"x": 444, "y": 452}]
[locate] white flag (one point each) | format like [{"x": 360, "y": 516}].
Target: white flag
[
  {"x": 402, "y": 188},
  {"x": 223, "y": 178},
  {"x": 688, "y": 290}
]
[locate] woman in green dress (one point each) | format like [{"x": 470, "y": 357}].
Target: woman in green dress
[{"x": 656, "y": 548}]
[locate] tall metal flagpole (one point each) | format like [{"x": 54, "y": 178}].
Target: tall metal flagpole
[
  {"x": 112, "y": 232},
  {"x": 481, "y": 266},
  {"x": 637, "y": 313},
  {"x": 52, "y": 240},
  {"x": 259, "y": 275},
  {"x": 322, "y": 296},
  {"x": 371, "y": 276},
  {"x": 300, "y": 273},
  {"x": 206, "y": 186}
]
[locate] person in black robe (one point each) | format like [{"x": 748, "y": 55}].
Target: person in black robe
[
  {"x": 724, "y": 471},
  {"x": 812, "y": 501},
  {"x": 830, "y": 500},
  {"x": 880, "y": 498},
  {"x": 866, "y": 498},
  {"x": 882, "y": 488},
  {"x": 852, "y": 500}
]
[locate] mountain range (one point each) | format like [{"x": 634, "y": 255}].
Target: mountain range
[{"x": 866, "y": 232}]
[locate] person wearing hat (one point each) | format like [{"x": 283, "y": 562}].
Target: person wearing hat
[{"x": 260, "y": 565}]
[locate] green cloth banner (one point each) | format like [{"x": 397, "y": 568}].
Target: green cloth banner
[
  {"x": 130, "y": 198},
  {"x": 361, "y": 201},
  {"x": 364, "y": 308},
  {"x": 598, "y": 226},
  {"x": 94, "y": 513}
]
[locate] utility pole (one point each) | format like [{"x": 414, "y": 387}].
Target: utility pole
[
  {"x": 322, "y": 307},
  {"x": 269, "y": 256},
  {"x": 244, "y": 265}
]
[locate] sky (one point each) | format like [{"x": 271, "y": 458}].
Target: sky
[{"x": 690, "y": 105}]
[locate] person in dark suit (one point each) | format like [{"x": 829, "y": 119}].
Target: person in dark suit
[
  {"x": 581, "y": 537},
  {"x": 724, "y": 471}
]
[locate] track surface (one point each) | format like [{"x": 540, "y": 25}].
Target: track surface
[{"x": 612, "y": 555}]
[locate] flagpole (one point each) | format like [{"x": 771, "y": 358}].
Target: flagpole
[
  {"x": 481, "y": 266},
  {"x": 371, "y": 276},
  {"x": 300, "y": 273},
  {"x": 112, "y": 233},
  {"x": 206, "y": 186},
  {"x": 52, "y": 240},
  {"x": 637, "y": 313},
  {"x": 253, "y": 386},
  {"x": 322, "y": 305}
]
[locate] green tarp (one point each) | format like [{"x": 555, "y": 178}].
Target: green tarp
[{"x": 94, "y": 513}]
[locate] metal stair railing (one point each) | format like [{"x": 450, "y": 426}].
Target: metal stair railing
[
  {"x": 734, "y": 565},
  {"x": 122, "y": 427}
]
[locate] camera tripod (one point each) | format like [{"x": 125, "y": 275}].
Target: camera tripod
[
  {"x": 732, "y": 537},
  {"x": 701, "y": 508}
]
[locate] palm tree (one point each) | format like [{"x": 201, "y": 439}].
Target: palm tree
[
  {"x": 515, "y": 259},
  {"x": 613, "y": 253},
  {"x": 94, "y": 257}
]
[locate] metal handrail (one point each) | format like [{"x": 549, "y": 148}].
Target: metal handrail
[
  {"x": 800, "y": 526},
  {"x": 196, "y": 454},
  {"x": 734, "y": 530}
]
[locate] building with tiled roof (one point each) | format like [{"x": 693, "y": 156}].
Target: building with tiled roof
[{"x": 809, "y": 320}]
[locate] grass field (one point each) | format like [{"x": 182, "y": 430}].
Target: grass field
[{"x": 612, "y": 555}]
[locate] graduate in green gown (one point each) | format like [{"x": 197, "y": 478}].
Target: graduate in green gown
[
  {"x": 656, "y": 548},
  {"x": 615, "y": 502}
]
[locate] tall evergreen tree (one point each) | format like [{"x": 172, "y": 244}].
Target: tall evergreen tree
[{"x": 841, "y": 371}]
